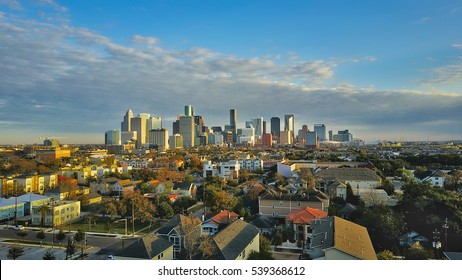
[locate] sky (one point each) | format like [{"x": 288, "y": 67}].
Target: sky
[{"x": 389, "y": 70}]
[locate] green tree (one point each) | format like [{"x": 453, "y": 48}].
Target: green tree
[
  {"x": 22, "y": 233},
  {"x": 60, "y": 236},
  {"x": 386, "y": 255},
  {"x": 265, "y": 250},
  {"x": 43, "y": 210},
  {"x": 49, "y": 255},
  {"x": 40, "y": 235},
  {"x": 70, "y": 248},
  {"x": 15, "y": 252},
  {"x": 164, "y": 211},
  {"x": 80, "y": 237},
  {"x": 417, "y": 252}
]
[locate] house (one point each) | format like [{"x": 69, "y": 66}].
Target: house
[
  {"x": 59, "y": 212},
  {"x": 266, "y": 224},
  {"x": 357, "y": 178},
  {"x": 301, "y": 219},
  {"x": 333, "y": 188},
  {"x": 218, "y": 221},
  {"x": 278, "y": 204},
  {"x": 179, "y": 231},
  {"x": 123, "y": 185},
  {"x": 31, "y": 199},
  {"x": 149, "y": 247},
  {"x": 104, "y": 185},
  {"x": 67, "y": 191},
  {"x": 347, "y": 210},
  {"x": 10, "y": 208},
  {"x": 410, "y": 238},
  {"x": 334, "y": 238},
  {"x": 185, "y": 189},
  {"x": 436, "y": 178},
  {"x": 236, "y": 241}
]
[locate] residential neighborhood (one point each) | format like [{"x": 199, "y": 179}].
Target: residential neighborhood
[{"x": 234, "y": 203}]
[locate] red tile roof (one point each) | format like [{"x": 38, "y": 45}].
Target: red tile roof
[
  {"x": 222, "y": 217},
  {"x": 305, "y": 215}
]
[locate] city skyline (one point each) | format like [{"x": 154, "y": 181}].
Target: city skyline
[{"x": 387, "y": 70}]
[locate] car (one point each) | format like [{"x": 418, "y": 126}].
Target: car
[
  {"x": 110, "y": 257},
  {"x": 18, "y": 227}
]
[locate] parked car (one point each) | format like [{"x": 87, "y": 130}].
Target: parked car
[
  {"x": 18, "y": 227},
  {"x": 110, "y": 257}
]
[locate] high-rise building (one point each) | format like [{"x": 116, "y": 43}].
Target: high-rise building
[
  {"x": 176, "y": 141},
  {"x": 112, "y": 137},
  {"x": 233, "y": 123},
  {"x": 264, "y": 127},
  {"x": 331, "y": 138},
  {"x": 343, "y": 136},
  {"x": 311, "y": 140},
  {"x": 140, "y": 124},
  {"x": 187, "y": 131},
  {"x": 159, "y": 137},
  {"x": 154, "y": 123},
  {"x": 199, "y": 125},
  {"x": 246, "y": 136},
  {"x": 275, "y": 127},
  {"x": 257, "y": 124},
  {"x": 188, "y": 110},
  {"x": 126, "y": 124},
  {"x": 320, "y": 130},
  {"x": 289, "y": 125},
  {"x": 176, "y": 126},
  {"x": 285, "y": 138},
  {"x": 267, "y": 140},
  {"x": 128, "y": 137}
]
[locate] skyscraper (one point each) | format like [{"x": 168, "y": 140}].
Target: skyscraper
[
  {"x": 139, "y": 124},
  {"x": 275, "y": 127},
  {"x": 289, "y": 125},
  {"x": 159, "y": 137},
  {"x": 188, "y": 110},
  {"x": 257, "y": 124},
  {"x": 154, "y": 123},
  {"x": 233, "y": 123},
  {"x": 126, "y": 124},
  {"x": 187, "y": 130},
  {"x": 112, "y": 137},
  {"x": 320, "y": 130}
]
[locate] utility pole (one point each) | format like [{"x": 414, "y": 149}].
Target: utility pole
[
  {"x": 445, "y": 227},
  {"x": 133, "y": 218}
]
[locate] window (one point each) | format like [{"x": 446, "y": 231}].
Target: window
[
  {"x": 299, "y": 204},
  {"x": 281, "y": 203}
]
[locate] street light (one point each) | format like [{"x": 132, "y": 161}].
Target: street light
[{"x": 125, "y": 224}]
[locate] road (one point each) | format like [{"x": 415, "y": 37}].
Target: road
[{"x": 102, "y": 246}]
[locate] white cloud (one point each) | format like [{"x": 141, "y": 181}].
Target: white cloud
[
  {"x": 74, "y": 80},
  {"x": 12, "y": 4}
]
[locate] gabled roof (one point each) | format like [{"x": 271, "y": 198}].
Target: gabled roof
[
  {"x": 310, "y": 195},
  {"x": 224, "y": 217},
  {"x": 348, "y": 174},
  {"x": 146, "y": 248},
  {"x": 353, "y": 239},
  {"x": 178, "y": 222},
  {"x": 305, "y": 216},
  {"x": 232, "y": 240},
  {"x": 127, "y": 182},
  {"x": 429, "y": 174},
  {"x": 185, "y": 186},
  {"x": 263, "y": 221}
]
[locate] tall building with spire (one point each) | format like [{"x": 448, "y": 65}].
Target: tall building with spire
[{"x": 126, "y": 124}]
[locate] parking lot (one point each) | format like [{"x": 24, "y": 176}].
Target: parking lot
[{"x": 31, "y": 252}]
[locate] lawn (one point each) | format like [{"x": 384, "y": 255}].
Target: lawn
[{"x": 106, "y": 225}]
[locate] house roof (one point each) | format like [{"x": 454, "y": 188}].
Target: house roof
[
  {"x": 348, "y": 174},
  {"x": 347, "y": 209},
  {"x": 428, "y": 174},
  {"x": 453, "y": 255},
  {"x": 305, "y": 216},
  {"x": 28, "y": 197},
  {"x": 262, "y": 221},
  {"x": 233, "y": 239},
  {"x": 146, "y": 247},
  {"x": 310, "y": 195},
  {"x": 225, "y": 217},
  {"x": 177, "y": 223},
  {"x": 353, "y": 239},
  {"x": 4, "y": 202},
  {"x": 126, "y": 183},
  {"x": 185, "y": 186}
]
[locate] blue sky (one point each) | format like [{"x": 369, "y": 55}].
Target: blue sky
[{"x": 383, "y": 69}]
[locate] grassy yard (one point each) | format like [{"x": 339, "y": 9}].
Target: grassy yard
[{"x": 106, "y": 225}]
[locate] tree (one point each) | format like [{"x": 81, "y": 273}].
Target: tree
[
  {"x": 80, "y": 238},
  {"x": 265, "y": 250},
  {"x": 22, "y": 233},
  {"x": 70, "y": 248},
  {"x": 219, "y": 200},
  {"x": 454, "y": 181},
  {"x": 387, "y": 186},
  {"x": 207, "y": 247},
  {"x": 111, "y": 208},
  {"x": 15, "y": 252},
  {"x": 43, "y": 210},
  {"x": 190, "y": 230},
  {"x": 49, "y": 255},
  {"x": 40, "y": 235},
  {"x": 417, "y": 252},
  {"x": 164, "y": 211},
  {"x": 60, "y": 236},
  {"x": 386, "y": 255}
]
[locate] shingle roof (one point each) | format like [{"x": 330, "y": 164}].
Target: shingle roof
[
  {"x": 176, "y": 223},
  {"x": 225, "y": 217},
  {"x": 182, "y": 186},
  {"x": 262, "y": 221},
  {"x": 353, "y": 239},
  {"x": 348, "y": 174},
  {"x": 232, "y": 240},
  {"x": 311, "y": 195},
  {"x": 305, "y": 216},
  {"x": 146, "y": 247}
]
